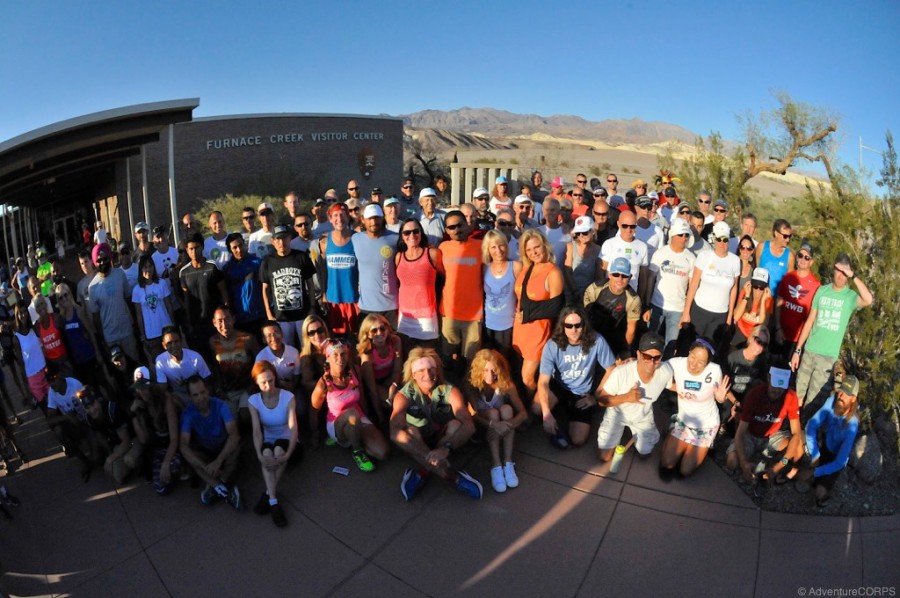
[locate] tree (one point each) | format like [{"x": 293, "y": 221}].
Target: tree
[{"x": 890, "y": 173}]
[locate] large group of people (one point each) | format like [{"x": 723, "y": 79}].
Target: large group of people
[{"x": 425, "y": 326}]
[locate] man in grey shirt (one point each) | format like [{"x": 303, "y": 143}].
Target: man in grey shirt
[{"x": 108, "y": 303}]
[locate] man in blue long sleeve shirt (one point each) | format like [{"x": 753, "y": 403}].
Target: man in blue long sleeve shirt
[{"x": 830, "y": 435}]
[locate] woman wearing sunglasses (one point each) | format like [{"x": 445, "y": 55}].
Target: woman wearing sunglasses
[
  {"x": 754, "y": 306},
  {"x": 417, "y": 266},
  {"x": 381, "y": 360}
]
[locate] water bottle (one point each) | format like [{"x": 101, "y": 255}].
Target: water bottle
[{"x": 617, "y": 459}]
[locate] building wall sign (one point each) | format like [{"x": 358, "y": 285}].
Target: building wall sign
[{"x": 317, "y": 136}]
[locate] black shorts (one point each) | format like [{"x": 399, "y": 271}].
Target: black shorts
[
  {"x": 825, "y": 456},
  {"x": 567, "y": 401},
  {"x": 282, "y": 442}
]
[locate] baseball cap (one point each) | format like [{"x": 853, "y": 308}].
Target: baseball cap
[
  {"x": 779, "y": 378},
  {"x": 679, "y": 227},
  {"x": 391, "y": 201},
  {"x": 849, "y": 385},
  {"x": 644, "y": 202},
  {"x": 653, "y": 195},
  {"x": 721, "y": 229},
  {"x": 760, "y": 275},
  {"x": 522, "y": 199},
  {"x": 558, "y": 182},
  {"x": 427, "y": 192},
  {"x": 141, "y": 376},
  {"x": 501, "y": 179},
  {"x": 115, "y": 351},
  {"x": 373, "y": 210},
  {"x": 352, "y": 203},
  {"x": 160, "y": 230},
  {"x": 599, "y": 191},
  {"x": 263, "y": 207},
  {"x": 651, "y": 341},
  {"x": 616, "y": 200},
  {"x": 319, "y": 201},
  {"x": 721, "y": 203},
  {"x": 583, "y": 224},
  {"x": 480, "y": 191},
  {"x": 620, "y": 265},
  {"x": 670, "y": 192},
  {"x": 377, "y": 191},
  {"x": 842, "y": 259},
  {"x": 805, "y": 245},
  {"x": 282, "y": 231},
  {"x": 142, "y": 226}
]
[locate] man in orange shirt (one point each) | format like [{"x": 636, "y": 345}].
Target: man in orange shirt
[{"x": 461, "y": 300}]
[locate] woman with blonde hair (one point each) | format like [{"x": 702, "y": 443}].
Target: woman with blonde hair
[
  {"x": 499, "y": 410},
  {"x": 539, "y": 288},
  {"x": 499, "y": 290},
  {"x": 381, "y": 361},
  {"x": 312, "y": 355}
]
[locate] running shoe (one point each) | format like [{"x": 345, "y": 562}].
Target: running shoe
[
  {"x": 411, "y": 483},
  {"x": 262, "y": 505},
  {"x": 509, "y": 472},
  {"x": 498, "y": 481},
  {"x": 208, "y": 495},
  {"x": 560, "y": 440},
  {"x": 278, "y": 517},
  {"x": 234, "y": 498},
  {"x": 469, "y": 485},
  {"x": 362, "y": 461}
]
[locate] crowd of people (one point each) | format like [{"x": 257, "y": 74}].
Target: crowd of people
[{"x": 402, "y": 321}]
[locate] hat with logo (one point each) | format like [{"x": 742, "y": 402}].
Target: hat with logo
[
  {"x": 391, "y": 201},
  {"x": 557, "y": 182},
  {"x": 373, "y": 210},
  {"x": 376, "y": 191},
  {"x": 282, "y": 231},
  {"x": 721, "y": 230},
  {"x": 651, "y": 341},
  {"x": 583, "y": 224},
  {"x": 760, "y": 275},
  {"x": 644, "y": 202},
  {"x": 479, "y": 192},
  {"x": 721, "y": 203},
  {"x": 849, "y": 385},
  {"x": 501, "y": 180},
  {"x": 263, "y": 207},
  {"x": 600, "y": 191},
  {"x": 520, "y": 199},
  {"x": 779, "y": 377},
  {"x": 142, "y": 226},
  {"x": 679, "y": 227},
  {"x": 670, "y": 192},
  {"x": 319, "y": 201},
  {"x": 620, "y": 265}
]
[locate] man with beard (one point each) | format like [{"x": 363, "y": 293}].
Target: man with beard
[{"x": 108, "y": 302}]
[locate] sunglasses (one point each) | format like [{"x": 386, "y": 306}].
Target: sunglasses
[
  {"x": 653, "y": 358},
  {"x": 407, "y": 187},
  {"x": 301, "y": 224},
  {"x": 803, "y": 256},
  {"x": 684, "y": 212},
  {"x": 352, "y": 188},
  {"x": 759, "y": 340},
  {"x": 758, "y": 286},
  {"x": 411, "y": 231},
  {"x": 745, "y": 248},
  {"x": 581, "y": 181},
  {"x": 721, "y": 239},
  {"x": 685, "y": 235},
  {"x": 577, "y": 326},
  {"x": 504, "y": 223},
  {"x": 618, "y": 275},
  {"x": 578, "y": 195},
  {"x": 353, "y": 209},
  {"x": 483, "y": 197},
  {"x": 628, "y": 226},
  {"x": 784, "y": 236},
  {"x": 704, "y": 201},
  {"x": 576, "y": 235},
  {"x": 378, "y": 329},
  {"x": 720, "y": 210},
  {"x": 315, "y": 331},
  {"x": 604, "y": 214},
  {"x": 453, "y": 226},
  {"x": 612, "y": 180}
]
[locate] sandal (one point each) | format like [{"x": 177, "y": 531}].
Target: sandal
[{"x": 786, "y": 475}]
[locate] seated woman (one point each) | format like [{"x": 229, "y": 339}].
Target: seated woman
[
  {"x": 274, "y": 435},
  {"x": 569, "y": 376},
  {"x": 339, "y": 389},
  {"x": 830, "y": 435},
  {"x": 701, "y": 388},
  {"x": 312, "y": 356},
  {"x": 499, "y": 410},
  {"x": 381, "y": 360}
]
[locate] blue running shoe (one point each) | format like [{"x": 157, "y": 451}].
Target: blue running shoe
[
  {"x": 411, "y": 483},
  {"x": 469, "y": 485}
]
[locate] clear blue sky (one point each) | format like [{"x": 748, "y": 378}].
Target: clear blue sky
[{"x": 689, "y": 63}]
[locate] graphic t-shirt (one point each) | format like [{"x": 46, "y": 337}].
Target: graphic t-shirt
[
  {"x": 697, "y": 406},
  {"x": 673, "y": 274},
  {"x": 216, "y": 251},
  {"x": 284, "y": 275},
  {"x": 636, "y": 252},
  {"x": 797, "y": 293},
  {"x": 151, "y": 298},
  {"x": 717, "y": 277},
  {"x": 764, "y": 417},
  {"x": 833, "y": 310},
  {"x": 622, "y": 380},
  {"x": 377, "y": 274},
  {"x": 572, "y": 367}
]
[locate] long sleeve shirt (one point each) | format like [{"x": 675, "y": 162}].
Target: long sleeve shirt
[{"x": 839, "y": 436}]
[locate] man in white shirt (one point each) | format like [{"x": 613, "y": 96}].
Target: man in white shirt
[
  {"x": 646, "y": 231},
  {"x": 214, "y": 247},
  {"x": 625, "y": 244},
  {"x": 260, "y": 243}
]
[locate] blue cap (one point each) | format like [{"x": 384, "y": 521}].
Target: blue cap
[
  {"x": 501, "y": 179},
  {"x": 620, "y": 265}
]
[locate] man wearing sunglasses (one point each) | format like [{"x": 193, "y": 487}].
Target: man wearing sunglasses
[
  {"x": 775, "y": 255},
  {"x": 484, "y": 218},
  {"x": 248, "y": 224},
  {"x": 354, "y": 192},
  {"x": 374, "y": 248},
  {"x": 321, "y": 225},
  {"x": 794, "y": 300},
  {"x": 108, "y": 302},
  {"x": 823, "y": 333},
  {"x": 408, "y": 199},
  {"x": 704, "y": 205},
  {"x": 613, "y": 307},
  {"x": 628, "y": 395},
  {"x": 462, "y": 299},
  {"x": 627, "y": 246}
]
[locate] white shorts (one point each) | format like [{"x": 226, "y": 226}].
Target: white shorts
[
  {"x": 614, "y": 421},
  {"x": 329, "y": 426}
]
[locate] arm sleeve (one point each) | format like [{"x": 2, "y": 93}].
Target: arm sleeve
[
  {"x": 548, "y": 361},
  {"x": 605, "y": 355},
  {"x": 843, "y": 453},
  {"x": 812, "y": 431},
  {"x": 543, "y": 310}
]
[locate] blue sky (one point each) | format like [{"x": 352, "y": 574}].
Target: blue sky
[{"x": 694, "y": 64}]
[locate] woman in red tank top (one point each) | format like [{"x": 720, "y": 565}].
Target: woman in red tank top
[{"x": 48, "y": 330}]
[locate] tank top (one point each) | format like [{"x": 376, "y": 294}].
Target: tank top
[
  {"x": 777, "y": 266},
  {"x": 82, "y": 349},
  {"x": 378, "y": 282},
  {"x": 341, "y": 399},
  {"x": 383, "y": 366},
  {"x": 496, "y": 401},
  {"x": 51, "y": 340},
  {"x": 274, "y": 421},
  {"x": 417, "y": 284},
  {"x": 499, "y": 299},
  {"x": 584, "y": 267},
  {"x": 32, "y": 354},
  {"x": 343, "y": 273}
]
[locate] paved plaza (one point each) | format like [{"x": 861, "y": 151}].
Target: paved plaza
[{"x": 570, "y": 529}]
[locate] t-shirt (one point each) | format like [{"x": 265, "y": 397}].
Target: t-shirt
[
  {"x": 377, "y": 272},
  {"x": 797, "y": 294},
  {"x": 209, "y": 430},
  {"x": 66, "y": 401},
  {"x": 652, "y": 236},
  {"x": 673, "y": 275},
  {"x": 622, "y": 380},
  {"x": 234, "y": 363},
  {"x": 287, "y": 367},
  {"x": 286, "y": 293},
  {"x": 201, "y": 285},
  {"x": 260, "y": 243},
  {"x": 635, "y": 252},
  {"x": 216, "y": 251},
  {"x": 274, "y": 421},
  {"x": 153, "y": 308},
  {"x": 462, "y": 298},
  {"x": 131, "y": 275},
  {"x": 559, "y": 240},
  {"x": 108, "y": 297},
  {"x": 165, "y": 261},
  {"x": 244, "y": 289},
  {"x": 743, "y": 372},
  {"x": 697, "y": 406},
  {"x": 718, "y": 275},
  {"x": 833, "y": 310},
  {"x": 759, "y": 307},
  {"x": 176, "y": 373},
  {"x": 572, "y": 367},
  {"x": 609, "y": 313},
  {"x": 764, "y": 416}
]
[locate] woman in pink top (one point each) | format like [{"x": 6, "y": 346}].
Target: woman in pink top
[
  {"x": 418, "y": 266},
  {"x": 340, "y": 391},
  {"x": 381, "y": 359}
]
